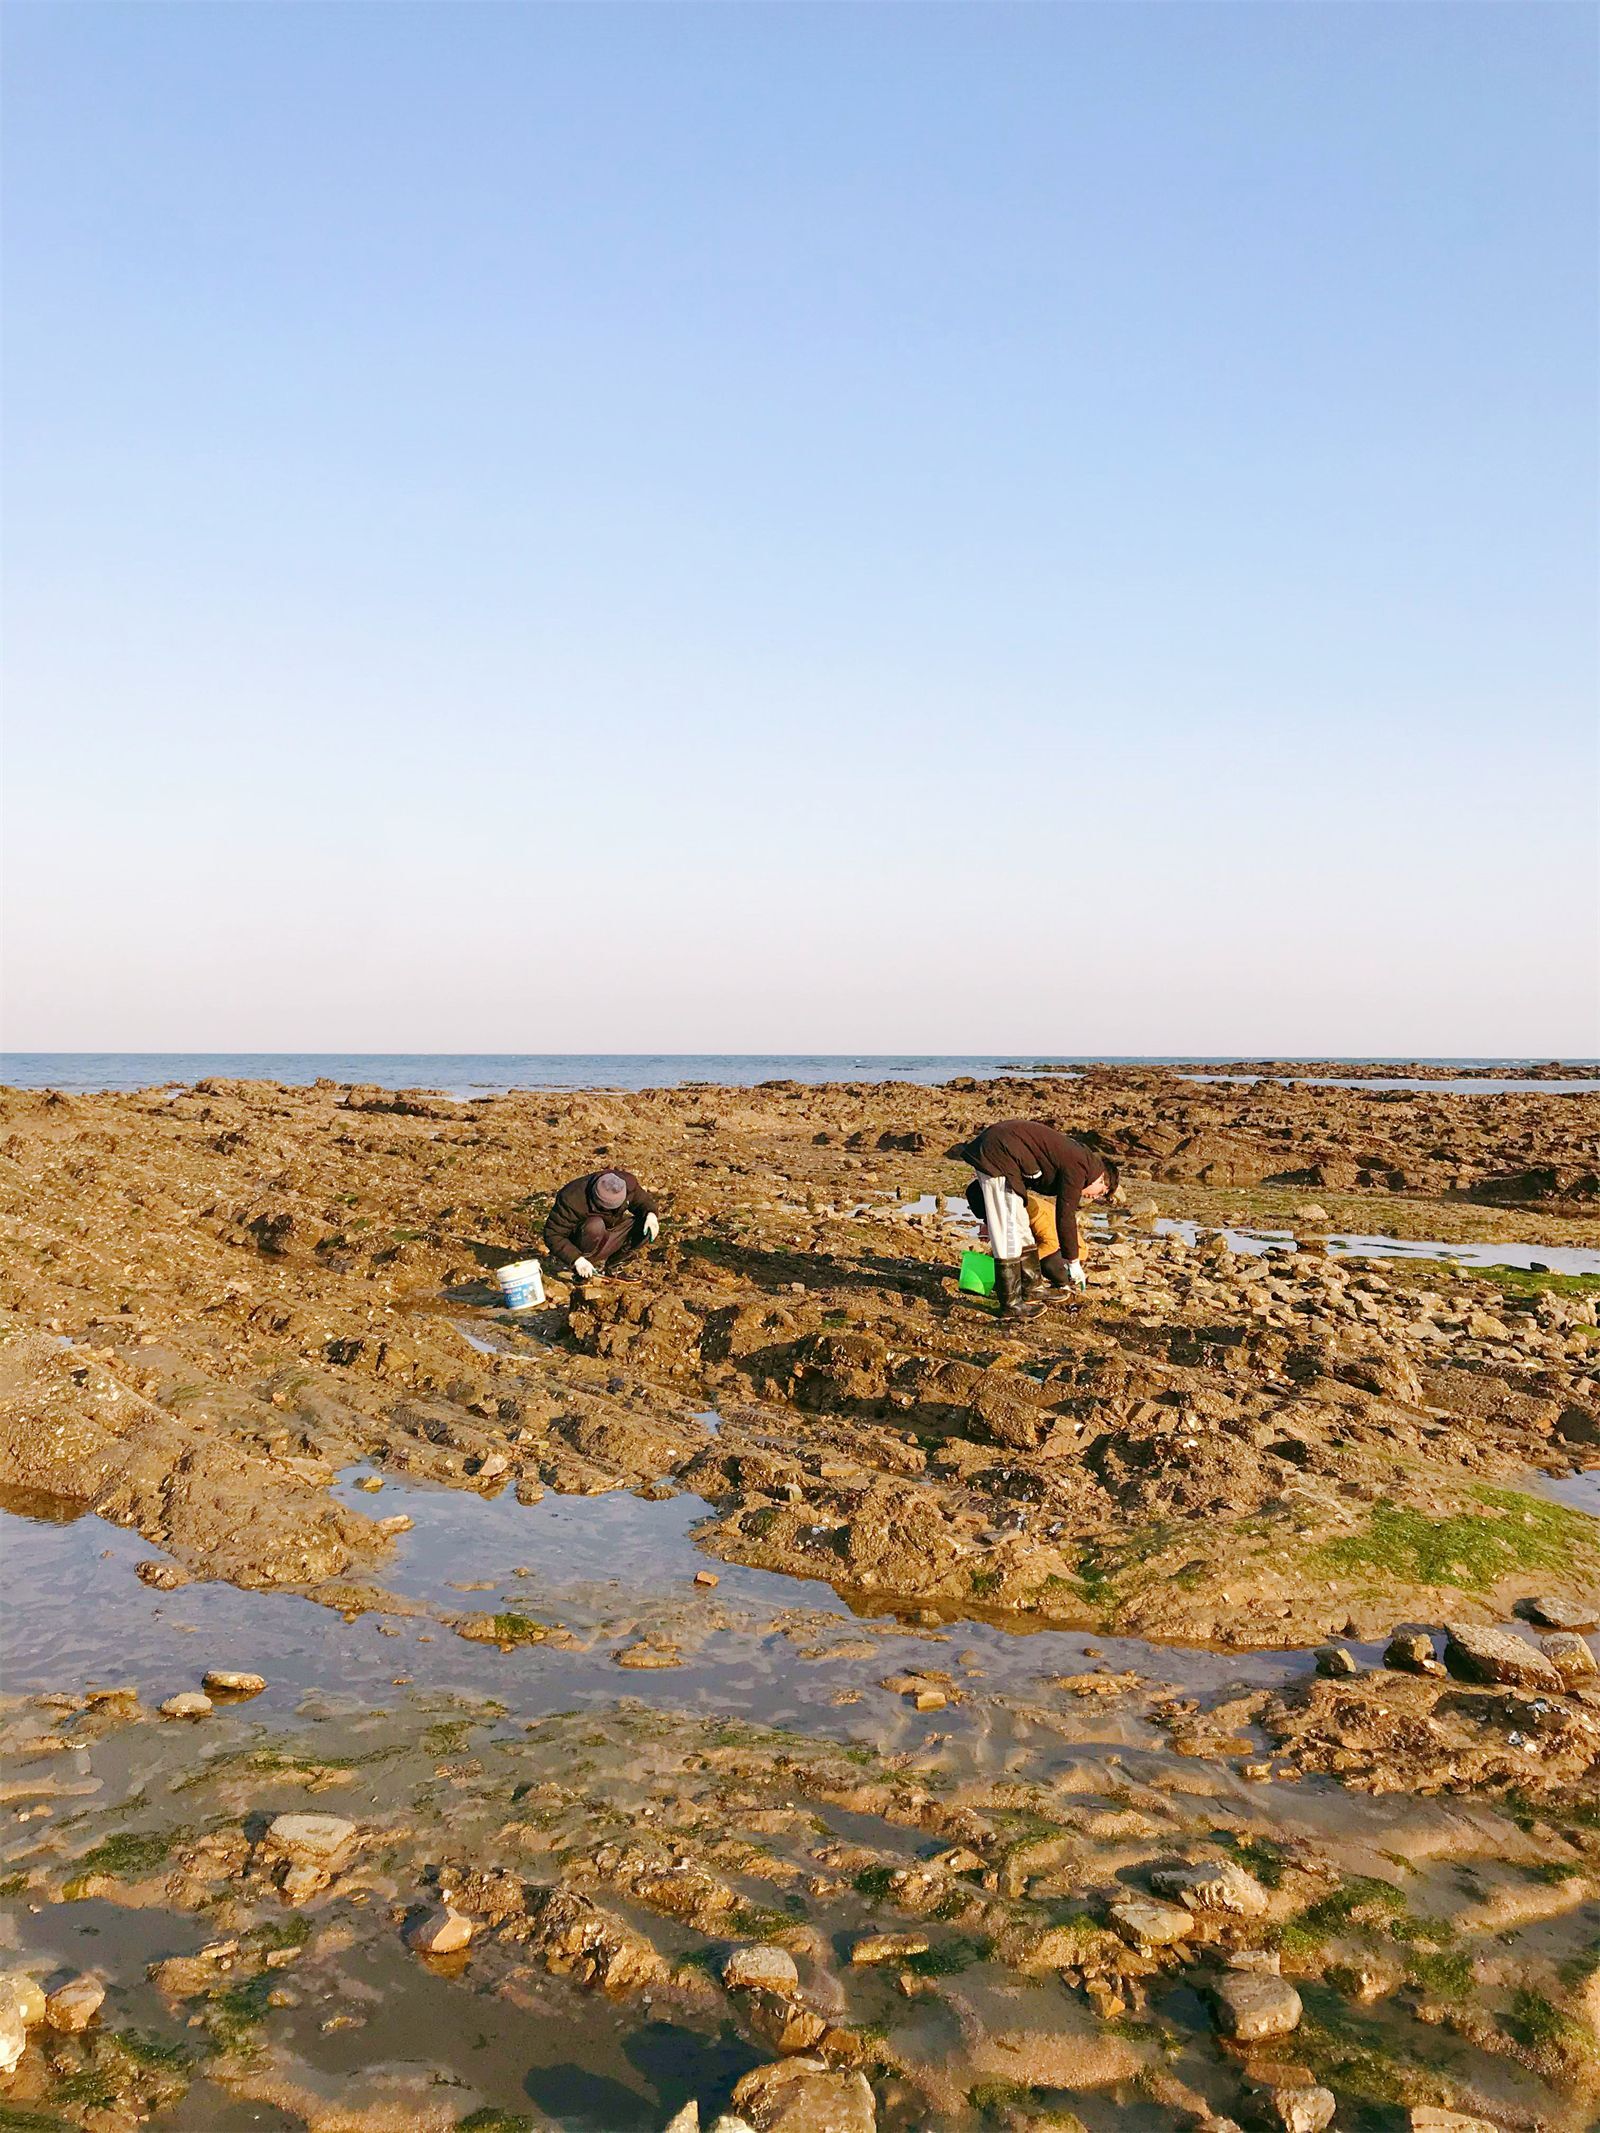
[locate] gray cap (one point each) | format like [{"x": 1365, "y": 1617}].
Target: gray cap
[{"x": 610, "y": 1189}]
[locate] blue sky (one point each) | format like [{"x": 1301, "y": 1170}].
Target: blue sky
[{"x": 823, "y": 527}]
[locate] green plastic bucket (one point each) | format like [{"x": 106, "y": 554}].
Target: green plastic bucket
[{"x": 977, "y": 1274}]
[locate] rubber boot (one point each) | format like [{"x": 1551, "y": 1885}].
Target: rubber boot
[
  {"x": 1054, "y": 1270},
  {"x": 1008, "y": 1290}
]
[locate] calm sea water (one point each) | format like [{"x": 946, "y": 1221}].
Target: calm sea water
[{"x": 486, "y": 1073}]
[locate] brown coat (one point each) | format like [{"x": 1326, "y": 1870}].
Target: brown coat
[
  {"x": 574, "y": 1204},
  {"x": 1037, "y": 1158}
]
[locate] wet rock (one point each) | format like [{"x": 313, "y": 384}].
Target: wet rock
[
  {"x": 889, "y": 1947},
  {"x": 706, "y": 1578},
  {"x": 805, "y": 2096},
  {"x": 1251, "y": 2007},
  {"x": 441, "y": 1931},
  {"x": 1300, "y": 2109},
  {"x": 22, "y": 2007},
  {"x": 759, "y": 1967},
  {"x": 1336, "y": 1663},
  {"x": 784, "y": 2022},
  {"x": 1411, "y": 1652},
  {"x": 73, "y": 2006},
  {"x": 165, "y": 1577},
  {"x": 1213, "y": 1885},
  {"x": 190, "y": 1704},
  {"x": 1498, "y": 1655},
  {"x": 646, "y": 1657},
  {"x": 305, "y": 1851},
  {"x": 25, "y": 1994},
  {"x": 1428, "y": 2118},
  {"x": 580, "y": 1939},
  {"x": 1560, "y": 1614},
  {"x": 224, "y": 1681},
  {"x": 1149, "y": 1924},
  {"x": 1571, "y": 1656},
  {"x": 685, "y": 2121}
]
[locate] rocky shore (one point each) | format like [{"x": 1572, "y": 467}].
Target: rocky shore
[{"x": 933, "y": 1881}]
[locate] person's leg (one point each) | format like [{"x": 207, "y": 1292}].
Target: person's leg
[
  {"x": 1006, "y": 1218},
  {"x": 620, "y": 1244},
  {"x": 1046, "y": 1253}
]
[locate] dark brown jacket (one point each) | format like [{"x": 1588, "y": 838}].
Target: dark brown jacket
[
  {"x": 1034, "y": 1157},
  {"x": 574, "y": 1204}
]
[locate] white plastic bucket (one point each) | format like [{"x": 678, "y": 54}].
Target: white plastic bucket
[{"x": 522, "y": 1285}]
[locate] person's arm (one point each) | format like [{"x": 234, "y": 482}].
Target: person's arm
[
  {"x": 639, "y": 1201},
  {"x": 561, "y": 1231},
  {"x": 1067, "y": 1217}
]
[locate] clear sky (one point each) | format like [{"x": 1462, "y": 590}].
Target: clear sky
[{"x": 766, "y": 526}]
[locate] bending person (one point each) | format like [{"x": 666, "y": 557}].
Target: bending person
[
  {"x": 1030, "y": 1182},
  {"x": 597, "y": 1221}
]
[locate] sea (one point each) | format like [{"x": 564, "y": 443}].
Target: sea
[{"x": 468, "y": 1074}]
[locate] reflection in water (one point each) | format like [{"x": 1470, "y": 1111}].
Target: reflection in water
[{"x": 43, "y": 1506}]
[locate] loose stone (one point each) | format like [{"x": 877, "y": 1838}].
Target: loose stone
[
  {"x": 440, "y": 1932},
  {"x": 1250, "y": 2007},
  {"x": 74, "y": 2005}
]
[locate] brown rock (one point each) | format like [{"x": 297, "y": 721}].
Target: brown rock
[
  {"x": 73, "y": 2005},
  {"x": 1250, "y": 2006},
  {"x": 439, "y": 1932},
  {"x": 1497, "y": 1655},
  {"x": 805, "y": 2096}
]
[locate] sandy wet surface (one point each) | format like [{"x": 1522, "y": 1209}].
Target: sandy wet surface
[{"x": 1004, "y": 1642}]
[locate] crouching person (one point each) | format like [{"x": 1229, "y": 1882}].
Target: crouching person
[
  {"x": 1030, "y": 1182},
  {"x": 598, "y": 1220}
]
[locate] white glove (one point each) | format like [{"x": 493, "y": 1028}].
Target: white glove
[
  {"x": 584, "y": 1270},
  {"x": 652, "y": 1228},
  {"x": 1076, "y": 1275}
]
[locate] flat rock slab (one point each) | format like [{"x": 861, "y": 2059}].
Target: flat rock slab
[
  {"x": 1428, "y": 2118},
  {"x": 1249, "y": 2006},
  {"x": 312, "y": 1840},
  {"x": 760, "y": 1968},
  {"x": 1214, "y": 1885},
  {"x": 1560, "y": 1614},
  {"x": 889, "y": 1947},
  {"x": 1498, "y": 1655},
  {"x": 1150, "y": 1924}
]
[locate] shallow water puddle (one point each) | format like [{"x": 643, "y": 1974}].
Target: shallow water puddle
[
  {"x": 1551, "y": 1258},
  {"x": 610, "y": 1571}
]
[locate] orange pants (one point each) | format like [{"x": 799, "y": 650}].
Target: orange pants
[{"x": 1042, "y": 1221}]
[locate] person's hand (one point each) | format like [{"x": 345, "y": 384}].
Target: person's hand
[
  {"x": 983, "y": 1235},
  {"x": 1076, "y": 1275},
  {"x": 652, "y": 1228},
  {"x": 584, "y": 1269}
]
